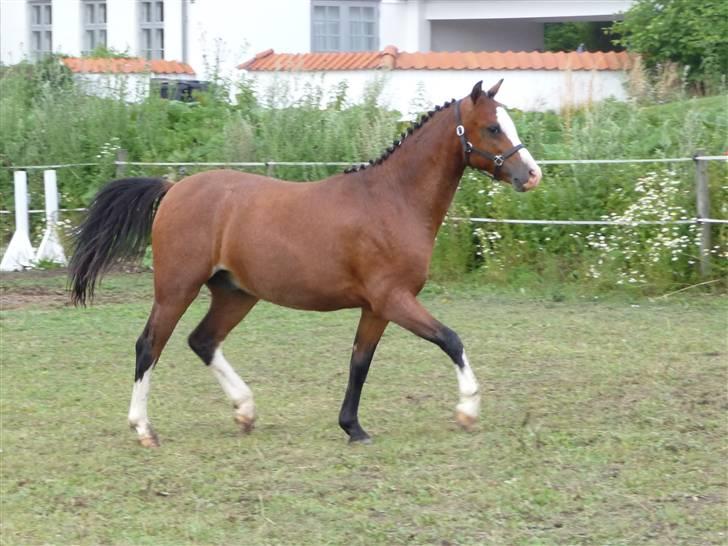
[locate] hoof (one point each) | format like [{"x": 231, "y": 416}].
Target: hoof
[
  {"x": 364, "y": 440},
  {"x": 466, "y": 422},
  {"x": 150, "y": 440},
  {"x": 247, "y": 424}
]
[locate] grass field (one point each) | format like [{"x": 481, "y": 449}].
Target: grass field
[{"x": 604, "y": 422}]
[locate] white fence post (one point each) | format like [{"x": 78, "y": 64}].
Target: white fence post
[
  {"x": 19, "y": 253},
  {"x": 50, "y": 247}
]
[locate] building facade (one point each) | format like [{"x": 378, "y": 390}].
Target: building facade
[
  {"x": 210, "y": 34},
  {"x": 413, "y": 82}
]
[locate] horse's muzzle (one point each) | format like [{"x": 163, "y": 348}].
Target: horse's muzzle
[{"x": 534, "y": 177}]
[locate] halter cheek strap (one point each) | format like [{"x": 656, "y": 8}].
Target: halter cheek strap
[{"x": 468, "y": 147}]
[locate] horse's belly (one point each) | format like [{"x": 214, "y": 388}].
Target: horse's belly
[
  {"x": 298, "y": 295},
  {"x": 315, "y": 286},
  {"x": 311, "y": 301}
]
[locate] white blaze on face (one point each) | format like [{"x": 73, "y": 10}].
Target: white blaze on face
[{"x": 509, "y": 129}]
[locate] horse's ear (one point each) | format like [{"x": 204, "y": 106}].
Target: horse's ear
[
  {"x": 493, "y": 90},
  {"x": 477, "y": 90}
]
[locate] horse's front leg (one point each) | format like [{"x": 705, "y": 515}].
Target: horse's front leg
[
  {"x": 370, "y": 330},
  {"x": 404, "y": 309}
]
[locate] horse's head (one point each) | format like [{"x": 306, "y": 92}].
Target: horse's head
[{"x": 490, "y": 140}]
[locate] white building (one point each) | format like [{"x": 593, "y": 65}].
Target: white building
[
  {"x": 209, "y": 34},
  {"x": 194, "y": 31},
  {"x": 130, "y": 79},
  {"x": 413, "y": 82}
]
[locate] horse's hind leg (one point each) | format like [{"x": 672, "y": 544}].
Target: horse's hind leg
[
  {"x": 228, "y": 307},
  {"x": 162, "y": 320}
]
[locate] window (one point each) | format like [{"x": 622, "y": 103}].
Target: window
[
  {"x": 41, "y": 24},
  {"x": 94, "y": 24},
  {"x": 363, "y": 28},
  {"x": 326, "y": 28},
  {"x": 151, "y": 42},
  {"x": 342, "y": 25}
]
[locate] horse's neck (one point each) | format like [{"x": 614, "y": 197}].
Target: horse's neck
[{"x": 426, "y": 171}]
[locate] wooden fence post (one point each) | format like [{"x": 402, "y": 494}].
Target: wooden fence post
[
  {"x": 121, "y": 155},
  {"x": 702, "y": 197}
]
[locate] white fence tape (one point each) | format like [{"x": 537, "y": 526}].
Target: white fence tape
[
  {"x": 607, "y": 161},
  {"x": 37, "y": 211},
  {"x": 344, "y": 163},
  {"x": 589, "y": 222},
  {"x": 533, "y": 222},
  {"x": 235, "y": 163},
  {"x": 45, "y": 167}
]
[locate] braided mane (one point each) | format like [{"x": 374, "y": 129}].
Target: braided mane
[{"x": 398, "y": 142}]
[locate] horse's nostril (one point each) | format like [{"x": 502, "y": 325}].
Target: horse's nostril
[{"x": 532, "y": 172}]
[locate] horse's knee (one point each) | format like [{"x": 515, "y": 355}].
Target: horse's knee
[{"x": 202, "y": 344}]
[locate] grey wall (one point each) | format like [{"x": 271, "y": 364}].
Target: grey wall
[{"x": 486, "y": 35}]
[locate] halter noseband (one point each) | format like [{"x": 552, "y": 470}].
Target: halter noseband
[{"x": 468, "y": 147}]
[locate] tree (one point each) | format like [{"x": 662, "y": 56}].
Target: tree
[
  {"x": 592, "y": 35},
  {"x": 693, "y": 33}
]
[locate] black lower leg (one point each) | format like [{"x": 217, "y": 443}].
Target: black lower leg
[
  {"x": 228, "y": 307},
  {"x": 203, "y": 343},
  {"x": 348, "y": 417},
  {"x": 449, "y": 342},
  {"x": 144, "y": 356}
]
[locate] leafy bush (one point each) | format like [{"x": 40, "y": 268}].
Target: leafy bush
[{"x": 693, "y": 34}]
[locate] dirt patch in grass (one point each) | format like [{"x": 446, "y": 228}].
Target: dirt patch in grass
[
  {"x": 16, "y": 298},
  {"x": 48, "y": 288}
]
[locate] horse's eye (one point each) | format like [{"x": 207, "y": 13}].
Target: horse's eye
[{"x": 494, "y": 129}]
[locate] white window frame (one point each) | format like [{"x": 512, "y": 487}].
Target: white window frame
[
  {"x": 93, "y": 24},
  {"x": 40, "y": 28},
  {"x": 151, "y": 29},
  {"x": 344, "y": 35}
]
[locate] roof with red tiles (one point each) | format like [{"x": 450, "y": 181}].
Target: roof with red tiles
[
  {"x": 391, "y": 58},
  {"x": 133, "y": 65}
]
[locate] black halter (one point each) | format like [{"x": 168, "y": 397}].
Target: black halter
[{"x": 468, "y": 147}]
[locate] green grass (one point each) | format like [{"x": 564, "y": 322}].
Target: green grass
[{"x": 603, "y": 423}]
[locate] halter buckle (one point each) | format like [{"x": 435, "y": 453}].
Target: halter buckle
[
  {"x": 468, "y": 146},
  {"x": 459, "y": 130},
  {"x": 498, "y": 160}
]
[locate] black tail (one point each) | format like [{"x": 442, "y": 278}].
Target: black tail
[{"x": 117, "y": 226}]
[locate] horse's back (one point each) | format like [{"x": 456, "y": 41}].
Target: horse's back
[{"x": 225, "y": 183}]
